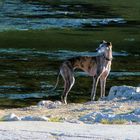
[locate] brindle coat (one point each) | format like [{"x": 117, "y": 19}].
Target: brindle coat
[{"x": 97, "y": 66}]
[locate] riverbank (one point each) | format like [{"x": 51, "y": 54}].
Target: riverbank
[
  {"x": 121, "y": 106},
  {"x": 119, "y": 112},
  {"x": 90, "y": 112}
]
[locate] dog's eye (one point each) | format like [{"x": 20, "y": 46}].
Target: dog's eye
[{"x": 108, "y": 43}]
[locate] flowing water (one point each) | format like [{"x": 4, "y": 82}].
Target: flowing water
[{"x": 37, "y": 36}]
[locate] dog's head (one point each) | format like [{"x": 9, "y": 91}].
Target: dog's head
[{"x": 104, "y": 47}]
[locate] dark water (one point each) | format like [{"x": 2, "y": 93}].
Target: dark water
[{"x": 36, "y": 36}]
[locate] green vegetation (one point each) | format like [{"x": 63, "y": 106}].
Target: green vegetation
[
  {"x": 55, "y": 119},
  {"x": 120, "y": 121}
]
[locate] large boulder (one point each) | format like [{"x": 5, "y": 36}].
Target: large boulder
[{"x": 124, "y": 92}]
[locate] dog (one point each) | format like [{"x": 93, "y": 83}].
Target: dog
[{"x": 97, "y": 66}]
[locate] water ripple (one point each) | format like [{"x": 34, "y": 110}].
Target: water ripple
[
  {"x": 60, "y": 54},
  {"x": 8, "y": 23},
  {"x": 14, "y": 15}
]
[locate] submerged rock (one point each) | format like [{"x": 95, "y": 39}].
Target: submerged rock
[{"x": 124, "y": 92}]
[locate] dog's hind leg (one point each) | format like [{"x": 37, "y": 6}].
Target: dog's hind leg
[{"x": 69, "y": 80}]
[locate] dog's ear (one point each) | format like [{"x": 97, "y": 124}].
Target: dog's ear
[
  {"x": 109, "y": 43},
  {"x": 102, "y": 42}
]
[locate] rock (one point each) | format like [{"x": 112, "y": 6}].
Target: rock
[
  {"x": 11, "y": 117},
  {"x": 112, "y": 117},
  {"x": 89, "y": 103},
  {"x": 137, "y": 111},
  {"x": 98, "y": 117},
  {"x": 44, "y": 103},
  {"x": 34, "y": 118},
  {"x": 74, "y": 121},
  {"x": 49, "y": 104},
  {"x": 124, "y": 92},
  {"x": 88, "y": 118}
]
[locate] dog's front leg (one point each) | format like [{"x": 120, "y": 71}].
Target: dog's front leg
[
  {"x": 103, "y": 83},
  {"x": 102, "y": 86},
  {"x": 94, "y": 87}
]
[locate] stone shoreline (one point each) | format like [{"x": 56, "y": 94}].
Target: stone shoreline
[{"x": 122, "y": 106}]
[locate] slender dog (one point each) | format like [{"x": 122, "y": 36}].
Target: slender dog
[{"x": 97, "y": 66}]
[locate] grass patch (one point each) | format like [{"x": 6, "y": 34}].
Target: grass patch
[
  {"x": 119, "y": 121},
  {"x": 55, "y": 119},
  {"x": 1, "y": 119}
]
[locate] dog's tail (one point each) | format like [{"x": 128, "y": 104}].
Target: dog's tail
[{"x": 57, "y": 81}]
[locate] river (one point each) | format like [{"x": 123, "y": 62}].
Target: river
[{"x": 37, "y": 36}]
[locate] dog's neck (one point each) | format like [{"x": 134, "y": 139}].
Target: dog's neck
[{"x": 107, "y": 58}]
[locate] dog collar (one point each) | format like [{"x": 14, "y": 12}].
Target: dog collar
[{"x": 108, "y": 59}]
